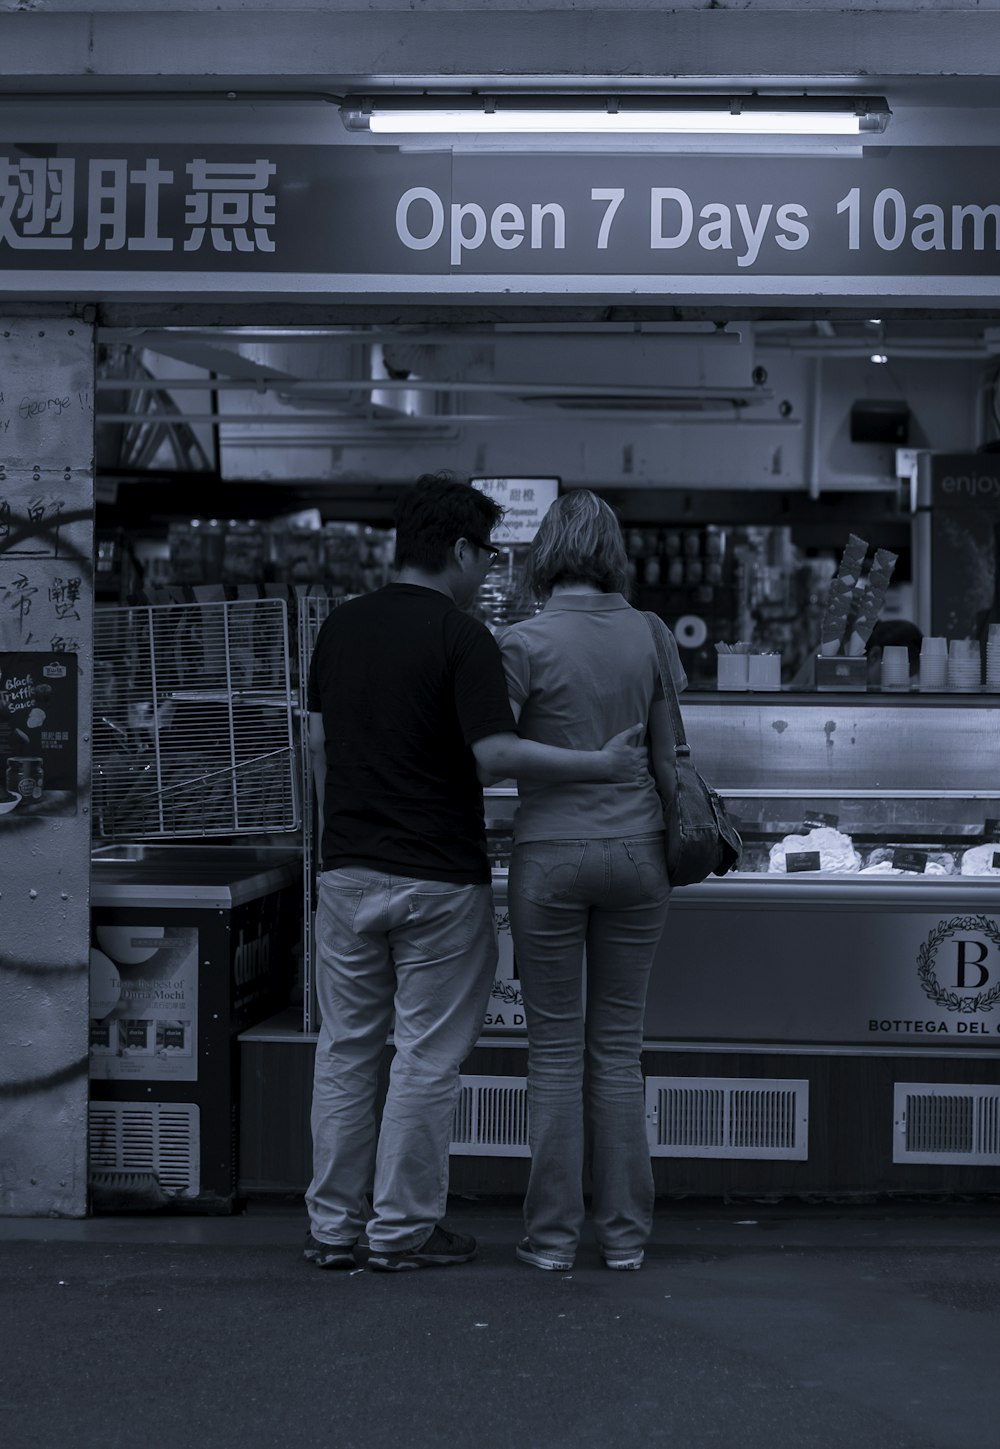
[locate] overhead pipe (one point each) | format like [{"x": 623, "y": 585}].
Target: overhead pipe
[
  {"x": 746, "y": 397},
  {"x": 403, "y": 421}
]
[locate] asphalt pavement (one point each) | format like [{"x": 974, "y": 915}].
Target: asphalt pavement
[{"x": 771, "y": 1326}]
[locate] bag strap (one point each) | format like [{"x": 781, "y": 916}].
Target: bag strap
[{"x": 657, "y": 628}]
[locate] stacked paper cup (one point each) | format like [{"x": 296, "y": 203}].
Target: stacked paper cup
[
  {"x": 933, "y": 664},
  {"x": 895, "y": 667},
  {"x": 993, "y": 658},
  {"x": 963, "y": 664}
]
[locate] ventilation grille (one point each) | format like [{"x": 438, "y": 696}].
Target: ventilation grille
[
  {"x": 685, "y": 1116},
  {"x": 161, "y": 1138},
  {"x": 727, "y": 1117},
  {"x": 491, "y": 1118},
  {"x": 936, "y": 1123}
]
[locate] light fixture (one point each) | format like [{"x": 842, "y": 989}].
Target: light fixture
[{"x": 617, "y": 115}]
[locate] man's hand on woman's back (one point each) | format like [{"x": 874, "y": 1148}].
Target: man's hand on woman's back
[{"x": 626, "y": 756}]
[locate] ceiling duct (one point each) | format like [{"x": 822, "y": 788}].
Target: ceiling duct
[{"x": 636, "y": 372}]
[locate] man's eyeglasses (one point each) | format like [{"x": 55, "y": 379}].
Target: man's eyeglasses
[{"x": 489, "y": 548}]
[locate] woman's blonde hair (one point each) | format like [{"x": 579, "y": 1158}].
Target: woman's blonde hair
[{"x": 578, "y": 541}]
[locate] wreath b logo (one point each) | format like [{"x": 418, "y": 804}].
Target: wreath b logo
[{"x": 982, "y": 927}]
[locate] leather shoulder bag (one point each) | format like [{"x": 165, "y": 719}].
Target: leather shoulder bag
[{"x": 701, "y": 837}]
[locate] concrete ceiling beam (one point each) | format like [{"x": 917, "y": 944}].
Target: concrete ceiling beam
[{"x": 196, "y": 50}]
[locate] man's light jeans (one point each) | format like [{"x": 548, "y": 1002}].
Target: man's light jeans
[{"x": 428, "y": 950}]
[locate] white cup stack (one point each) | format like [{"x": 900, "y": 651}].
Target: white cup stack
[
  {"x": 933, "y": 664},
  {"x": 993, "y": 658},
  {"x": 895, "y": 667},
  {"x": 964, "y": 672}
]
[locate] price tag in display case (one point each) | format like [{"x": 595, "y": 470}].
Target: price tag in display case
[
  {"x": 913, "y": 860},
  {"x": 816, "y": 820},
  {"x": 802, "y": 860}
]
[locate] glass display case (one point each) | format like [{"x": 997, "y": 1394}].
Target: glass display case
[
  {"x": 867, "y": 906},
  {"x": 894, "y": 786}
]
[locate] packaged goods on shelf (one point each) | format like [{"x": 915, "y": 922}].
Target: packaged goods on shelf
[
  {"x": 341, "y": 557},
  {"x": 244, "y": 552}
]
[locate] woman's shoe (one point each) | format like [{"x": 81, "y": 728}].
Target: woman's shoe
[
  {"x": 627, "y": 1261},
  {"x": 541, "y": 1258}
]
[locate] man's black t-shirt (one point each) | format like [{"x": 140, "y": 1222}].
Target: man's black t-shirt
[{"x": 406, "y": 682}]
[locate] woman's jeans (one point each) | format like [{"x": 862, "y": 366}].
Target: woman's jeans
[
  {"x": 428, "y": 950},
  {"x": 585, "y": 1030}
]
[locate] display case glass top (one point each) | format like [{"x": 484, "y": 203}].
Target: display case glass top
[
  {"x": 851, "y": 785},
  {"x": 847, "y": 744}
]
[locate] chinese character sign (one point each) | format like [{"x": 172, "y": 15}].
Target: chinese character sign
[
  {"x": 525, "y": 501},
  {"x": 393, "y": 217},
  {"x": 231, "y": 206},
  {"x": 89, "y": 207},
  {"x": 37, "y": 203}
]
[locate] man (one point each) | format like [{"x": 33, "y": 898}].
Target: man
[{"x": 407, "y": 697}]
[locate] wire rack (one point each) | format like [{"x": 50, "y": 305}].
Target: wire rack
[
  {"x": 313, "y": 610},
  {"x": 193, "y": 729}
]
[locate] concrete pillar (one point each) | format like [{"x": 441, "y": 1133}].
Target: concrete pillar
[{"x": 46, "y": 670}]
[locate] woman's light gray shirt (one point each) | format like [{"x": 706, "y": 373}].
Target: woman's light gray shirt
[{"x": 582, "y": 670}]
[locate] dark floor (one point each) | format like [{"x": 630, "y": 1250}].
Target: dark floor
[{"x": 770, "y": 1327}]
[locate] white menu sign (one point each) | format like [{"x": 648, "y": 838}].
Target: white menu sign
[{"x": 525, "y": 502}]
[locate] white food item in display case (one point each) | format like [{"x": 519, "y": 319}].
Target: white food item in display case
[
  {"x": 836, "y": 850},
  {"x": 880, "y": 862},
  {"x": 978, "y": 860},
  {"x": 886, "y": 867}
]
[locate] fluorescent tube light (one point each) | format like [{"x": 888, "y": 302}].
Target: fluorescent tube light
[{"x": 694, "y": 115}]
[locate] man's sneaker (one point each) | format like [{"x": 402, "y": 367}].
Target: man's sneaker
[
  {"x": 328, "y": 1255},
  {"x": 627, "y": 1261},
  {"x": 440, "y": 1249},
  {"x": 541, "y": 1258}
]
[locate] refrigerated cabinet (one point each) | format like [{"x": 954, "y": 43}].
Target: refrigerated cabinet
[
  {"x": 190, "y": 946},
  {"x": 827, "y": 1019}
]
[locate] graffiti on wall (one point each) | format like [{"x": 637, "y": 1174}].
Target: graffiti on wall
[
  {"x": 46, "y": 616},
  {"x": 45, "y": 600},
  {"x": 45, "y": 579}
]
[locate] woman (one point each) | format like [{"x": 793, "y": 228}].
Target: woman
[{"x": 588, "y": 873}]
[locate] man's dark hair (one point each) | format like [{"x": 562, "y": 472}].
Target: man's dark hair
[{"x": 437, "y": 510}]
